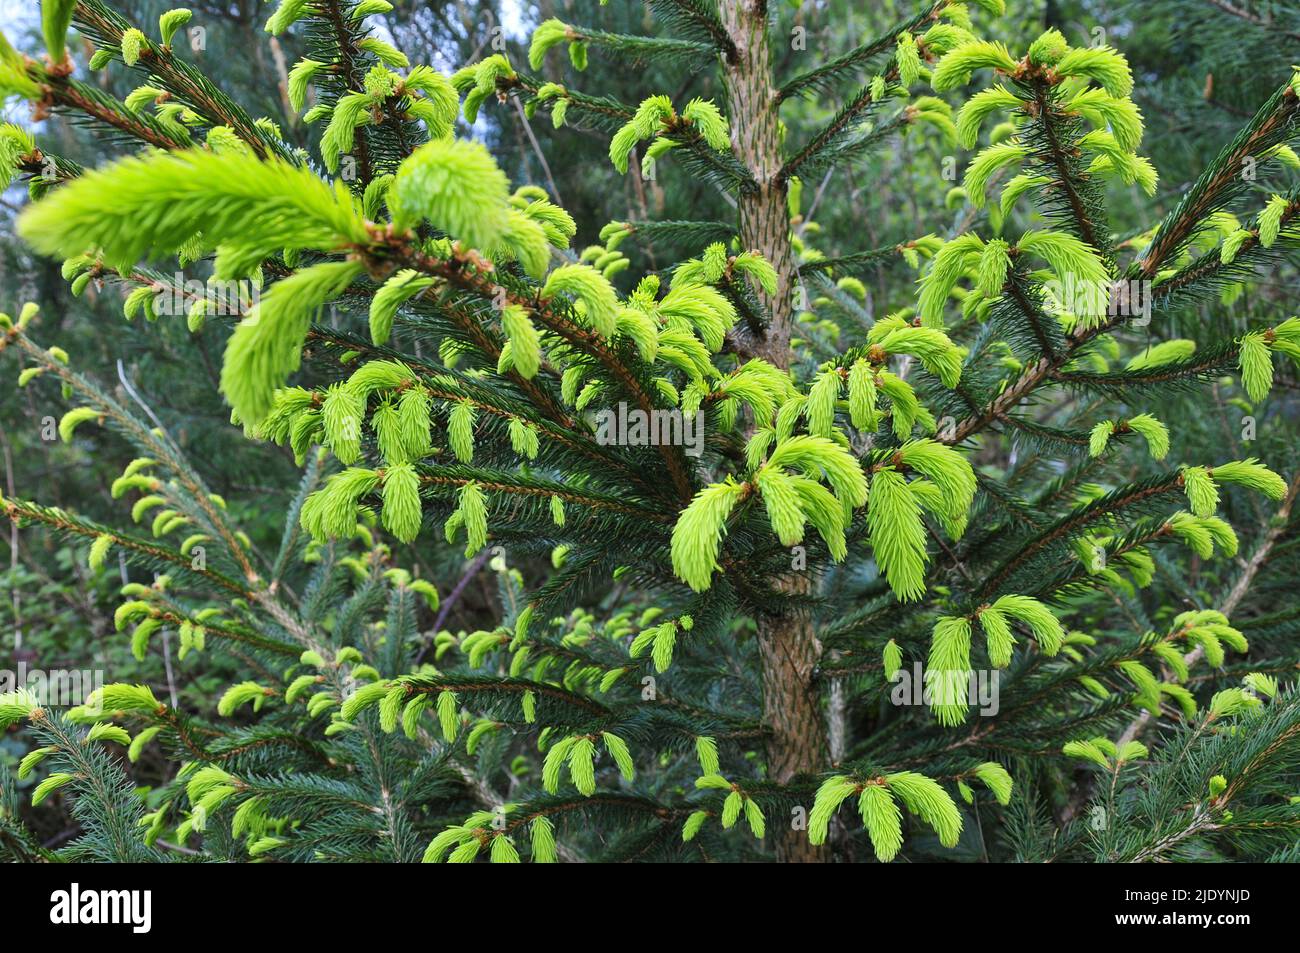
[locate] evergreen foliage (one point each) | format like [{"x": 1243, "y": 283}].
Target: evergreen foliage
[{"x": 697, "y": 642}]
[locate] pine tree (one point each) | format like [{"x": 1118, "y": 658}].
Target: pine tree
[{"x": 693, "y": 633}]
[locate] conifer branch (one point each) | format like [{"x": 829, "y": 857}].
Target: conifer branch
[
  {"x": 65, "y": 523},
  {"x": 1281, "y": 526},
  {"x": 501, "y": 482},
  {"x": 460, "y": 272},
  {"x": 74, "y": 95},
  {"x": 1055, "y": 140},
  {"x": 1122, "y": 499},
  {"x": 106, "y": 28},
  {"x": 695, "y": 18},
  {"x": 1209, "y": 268},
  {"x": 1222, "y": 180},
  {"x": 826, "y": 145},
  {"x": 155, "y": 443},
  {"x": 104, "y": 802},
  {"x": 821, "y": 78}
]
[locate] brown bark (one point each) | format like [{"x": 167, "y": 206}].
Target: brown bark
[
  {"x": 792, "y": 712},
  {"x": 756, "y": 142},
  {"x": 788, "y": 647}
]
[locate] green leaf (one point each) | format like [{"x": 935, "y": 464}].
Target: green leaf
[
  {"x": 697, "y": 535},
  {"x": 830, "y": 796},
  {"x": 618, "y": 750},
  {"x": 883, "y": 821},
  {"x": 948, "y": 669},
  {"x": 266, "y": 346},
  {"x": 897, "y": 534},
  {"x": 924, "y": 797},
  {"x": 456, "y": 186},
  {"x": 56, "y": 17}
]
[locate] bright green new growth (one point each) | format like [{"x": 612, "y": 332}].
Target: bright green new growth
[
  {"x": 892, "y": 659},
  {"x": 460, "y": 431},
  {"x": 897, "y": 534},
  {"x": 951, "y": 473},
  {"x": 471, "y": 513},
  {"x": 983, "y": 167},
  {"x": 592, "y": 289},
  {"x": 525, "y": 342},
  {"x": 1099, "y": 437},
  {"x": 997, "y": 631},
  {"x": 1102, "y": 64},
  {"x": 996, "y": 779},
  {"x": 978, "y": 108},
  {"x": 546, "y": 34},
  {"x": 1087, "y": 751},
  {"x": 883, "y": 821},
  {"x": 862, "y": 396},
  {"x": 56, "y": 17},
  {"x": 908, "y": 59},
  {"x": 1155, "y": 433},
  {"x": 924, "y": 797},
  {"x": 1161, "y": 354},
  {"x": 934, "y": 349},
  {"x": 1042, "y": 622},
  {"x": 697, "y": 535},
  {"x": 1152, "y": 430},
  {"x": 484, "y": 392},
  {"x": 950, "y": 263},
  {"x": 69, "y": 422},
  {"x": 712, "y": 125},
  {"x": 267, "y": 344},
  {"x": 239, "y": 200},
  {"x": 1270, "y": 220},
  {"x": 1253, "y": 475},
  {"x": 457, "y": 187},
  {"x": 955, "y": 68},
  {"x": 396, "y": 291},
  {"x": 401, "y": 493},
  {"x": 1066, "y": 255},
  {"x": 993, "y": 266},
  {"x": 1256, "y": 365},
  {"x": 331, "y": 512},
  {"x": 947, "y": 672},
  {"x": 782, "y": 503}
]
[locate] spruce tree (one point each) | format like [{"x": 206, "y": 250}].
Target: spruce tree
[{"x": 993, "y": 479}]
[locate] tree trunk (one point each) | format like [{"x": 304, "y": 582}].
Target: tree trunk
[
  {"x": 756, "y": 141},
  {"x": 792, "y": 713},
  {"x": 788, "y": 646}
]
